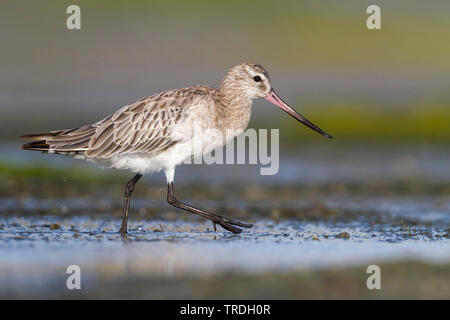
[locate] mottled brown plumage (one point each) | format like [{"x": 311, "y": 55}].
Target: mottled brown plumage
[{"x": 159, "y": 132}]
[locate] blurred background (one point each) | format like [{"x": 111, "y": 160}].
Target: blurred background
[
  {"x": 383, "y": 94},
  {"x": 359, "y": 84}
]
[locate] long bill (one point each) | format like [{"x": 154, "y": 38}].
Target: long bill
[{"x": 276, "y": 100}]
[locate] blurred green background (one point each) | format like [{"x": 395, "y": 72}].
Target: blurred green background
[{"x": 388, "y": 85}]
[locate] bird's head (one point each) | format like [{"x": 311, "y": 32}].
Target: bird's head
[
  {"x": 250, "y": 80},
  {"x": 247, "y": 81}
]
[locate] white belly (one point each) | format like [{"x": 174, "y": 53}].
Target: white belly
[{"x": 167, "y": 160}]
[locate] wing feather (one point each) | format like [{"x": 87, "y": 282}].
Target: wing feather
[
  {"x": 146, "y": 126},
  {"x": 143, "y": 127}
]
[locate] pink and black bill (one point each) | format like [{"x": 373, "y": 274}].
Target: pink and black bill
[{"x": 273, "y": 97}]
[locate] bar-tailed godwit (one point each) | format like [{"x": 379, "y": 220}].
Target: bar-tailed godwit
[{"x": 158, "y": 132}]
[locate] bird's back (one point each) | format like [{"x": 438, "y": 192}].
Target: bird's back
[{"x": 145, "y": 126}]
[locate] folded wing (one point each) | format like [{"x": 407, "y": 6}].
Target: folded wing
[{"x": 145, "y": 126}]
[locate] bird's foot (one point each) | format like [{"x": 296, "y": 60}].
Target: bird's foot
[{"x": 229, "y": 223}]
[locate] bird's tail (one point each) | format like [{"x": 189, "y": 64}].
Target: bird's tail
[
  {"x": 70, "y": 141},
  {"x": 39, "y": 140}
]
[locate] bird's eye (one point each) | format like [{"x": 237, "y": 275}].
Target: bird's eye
[{"x": 257, "y": 78}]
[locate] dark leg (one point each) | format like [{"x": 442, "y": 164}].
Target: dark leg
[
  {"x": 225, "y": 222},
  {"x": 126, "y": 204}
]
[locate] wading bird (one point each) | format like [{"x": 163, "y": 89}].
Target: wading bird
[{"x": 157, "y": 133}]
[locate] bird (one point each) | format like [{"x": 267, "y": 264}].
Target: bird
[{"x": 156, "y": 133}]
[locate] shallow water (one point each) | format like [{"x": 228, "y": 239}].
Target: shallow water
[
  {"x": 320, "y": 212},
  {"x": 35, "y": 250},
  {"x": 179, "y": 246}
]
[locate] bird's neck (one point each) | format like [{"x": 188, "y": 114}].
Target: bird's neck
[
  {"x": 235, "y": 109},
  {"x": 233, "y": 97},
  {"x": 232, "y": 93}
]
